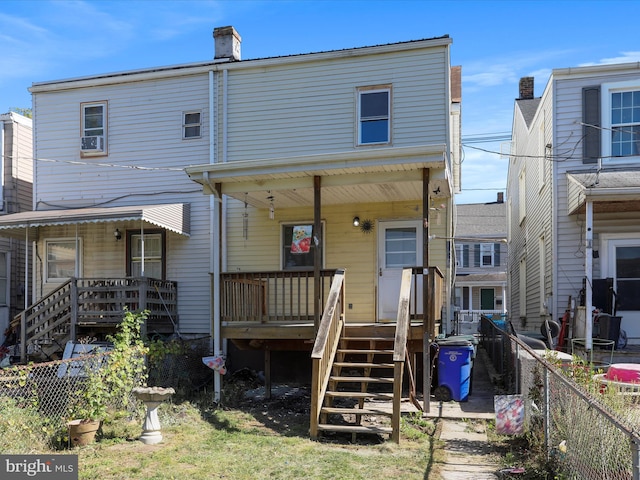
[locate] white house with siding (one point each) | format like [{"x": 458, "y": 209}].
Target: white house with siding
[
  {"x": 16, "y": 152},
  {"x": 317, "y": 170},
  {"x": 573, "y": 198}
]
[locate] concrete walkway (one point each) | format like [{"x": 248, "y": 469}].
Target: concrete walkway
[{"x": 466, "y": 447}]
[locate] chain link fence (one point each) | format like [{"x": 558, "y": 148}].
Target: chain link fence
[
  {"x": 54, "y": 390},
  {"x": 589, "y": 431}
]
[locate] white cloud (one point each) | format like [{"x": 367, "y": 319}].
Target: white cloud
[{"x": 624, "y": 57}]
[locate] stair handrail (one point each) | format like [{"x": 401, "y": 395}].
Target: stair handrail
[
  {"x": 326, "y": 346},
  {"x": 400, "y": 349}
]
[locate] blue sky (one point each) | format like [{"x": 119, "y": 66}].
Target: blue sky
[{"x": 495, "y": 42}]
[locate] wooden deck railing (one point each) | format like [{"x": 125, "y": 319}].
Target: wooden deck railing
[
  {"x": 96, "y": 301},
  {"x": 325, "y": 347},
  {"x": 271, "y": 297}
]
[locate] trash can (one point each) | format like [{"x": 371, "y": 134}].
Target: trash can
[
  {"x": 454, "y": 370},
  {"x": 609, "y": 327}
]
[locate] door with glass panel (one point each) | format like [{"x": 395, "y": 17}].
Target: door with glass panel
[{"x": 399, "y": 246}]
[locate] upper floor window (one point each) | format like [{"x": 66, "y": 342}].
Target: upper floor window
[
  {"x": 374, "y": 116},
  {"x": 620, "y": 132},
  {"x": 462, "y": 256},
  {"x": 94, "y": 128},
  {"x": 625, "y": 123},
  {"x": 191, "y": 125},
  {"x": 486, "y": 254}
]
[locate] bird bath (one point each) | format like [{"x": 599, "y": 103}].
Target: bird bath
[{"x": 152, "y": 398}]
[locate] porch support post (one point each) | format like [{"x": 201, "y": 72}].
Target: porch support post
[
  {"x": 317, "y": 252},
  {"x": 588, "y": 273},
  {"x": 427, "y": 321}
]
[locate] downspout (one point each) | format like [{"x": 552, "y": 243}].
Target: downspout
[{"x": 214, "y": 231}]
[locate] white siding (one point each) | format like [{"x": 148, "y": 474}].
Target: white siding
[
  {"x": 145, "y": 131},
  {"x": 310, "y": 108}
]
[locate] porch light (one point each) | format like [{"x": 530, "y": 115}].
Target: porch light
[
  {"x": 356, "y": 221},
  {"x": 117, "y": 234}
]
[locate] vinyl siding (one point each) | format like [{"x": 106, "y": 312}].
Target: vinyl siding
[
  {"x": 144, "y": 132},
  {"x": 345, "y": 246},
  {"x": 311, "y": 108}
]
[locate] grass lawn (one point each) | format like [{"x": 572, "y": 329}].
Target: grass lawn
[{"x": 268, "y": 440}]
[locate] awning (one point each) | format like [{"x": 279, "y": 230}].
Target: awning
[
  {"x": 609, "y": 190},
  {"x": 174, "y": 217}
]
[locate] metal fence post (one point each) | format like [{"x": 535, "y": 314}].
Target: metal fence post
[
  {"x": 547, "y": 411},
  {"x": 635, "y": 455}
]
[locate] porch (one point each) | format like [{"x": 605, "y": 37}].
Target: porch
[
  {"x": 93, "y": 307},
  {"x": 274, "y": 310}
]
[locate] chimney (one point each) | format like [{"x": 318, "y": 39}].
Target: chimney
[
  {"x": 526, "y": 88},
  {"x": 500, "y": 197},
  {"x": 227, "y": 44}
]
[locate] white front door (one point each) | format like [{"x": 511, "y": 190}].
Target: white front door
[
  {"x": 399, "y": 246},
  {"x": 622, "y": 263}
]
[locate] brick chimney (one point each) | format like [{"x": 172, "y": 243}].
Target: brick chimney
[
  {"x": 227, "y": 44},
  {"x": 500, "y": 197},
  {"x": 526, "y": 88}
]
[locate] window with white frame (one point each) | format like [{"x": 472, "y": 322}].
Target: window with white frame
[
  {"x": 374, "y": 115},
  {"x": 146, "y": 254},
  {"x": 94, "y": 128},
  {"x": 486, "y": 254},
  {"x": 191, "y": 125},
  {"x": 621, "y": 120},
  {"x": 522, "y": 196},
  {"x": 61, "y": 257},
  {"x": 298, "y": 246}
]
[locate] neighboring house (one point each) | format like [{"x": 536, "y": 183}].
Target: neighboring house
[
  {"x": 481, "y": 263},
  {"x": 573, "y": 198},
  {"x": 16, "y": 160}
]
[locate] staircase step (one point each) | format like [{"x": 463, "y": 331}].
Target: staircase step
[
  {"x": 354, "y": 429},
  {"x": 365, "y": 351},
  {"x": 363, "y": 365},
  {"x": 356, "y": 411},
  {"x": 368, "y": 339},
  {"x": 361, "y": 379},
  {"x": 369, "y": 395}
]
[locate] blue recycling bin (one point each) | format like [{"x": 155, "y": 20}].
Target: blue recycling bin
[{"x": 454, "y": 370}]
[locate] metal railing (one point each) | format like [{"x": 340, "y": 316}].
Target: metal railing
[{"x": 589, "y": 432}]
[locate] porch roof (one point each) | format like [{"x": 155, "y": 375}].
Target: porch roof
[
  {"x": 174, "y": 217},
  {"x": 610, "y": 190},
  {"x": 359, "y": 176}
]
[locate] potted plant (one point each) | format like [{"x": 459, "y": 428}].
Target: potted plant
[{"x": 110, "y": 380}]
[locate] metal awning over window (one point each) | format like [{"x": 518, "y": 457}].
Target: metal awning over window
[{"x": 174, "y": 217}]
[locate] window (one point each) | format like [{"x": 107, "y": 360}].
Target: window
[
  {"x": 522, "y": 196},
  {"x": 4, "y": 278},
  {"x": 486, "y": 254},
  {"x": 462, "y": 256},
  {"x": 298, "y": 247},
  {"x": 400, "y": 247},
  {"x": 191, "y": 125},
  {"x": 94, "y": 128},
  {"x": 154, "y": 254},
  {"x": 522, "y": 288},
  {"x": 621, "y": 121},
  {"x": 374, "y": 118},
  {"x": 61, "y": 259}
]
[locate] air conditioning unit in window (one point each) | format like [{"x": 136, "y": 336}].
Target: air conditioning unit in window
[{"x": 93, "y": 144}]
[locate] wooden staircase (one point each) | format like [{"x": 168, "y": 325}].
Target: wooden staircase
[
  {"x": 352, "y": 365},
  {"x": 362, "y": 371}
]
